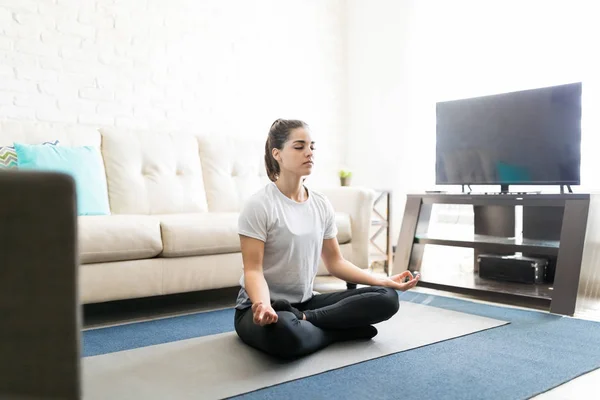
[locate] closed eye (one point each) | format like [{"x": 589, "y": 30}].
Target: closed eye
[{"x": 299, "y": 145}]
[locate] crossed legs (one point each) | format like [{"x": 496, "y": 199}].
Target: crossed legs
[{"x": 330, "y": 317}]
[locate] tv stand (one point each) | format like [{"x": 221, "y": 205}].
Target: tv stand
[{"x": 554, "y": 227}]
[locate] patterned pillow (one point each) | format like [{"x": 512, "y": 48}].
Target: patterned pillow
[{"x": 8, "y": 155}]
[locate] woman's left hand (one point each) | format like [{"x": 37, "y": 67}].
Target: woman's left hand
[{"x": 398, "y": 281}]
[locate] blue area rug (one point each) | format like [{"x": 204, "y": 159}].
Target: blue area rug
[
  {"x": 534, "y": 353},
  {"x": 148, "y": 333}
]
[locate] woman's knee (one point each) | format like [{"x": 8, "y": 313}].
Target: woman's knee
[
  {"x": 389, "y": 302},
  {"x": 280, "y": 339},
  {"x": 284, "y": 335}
]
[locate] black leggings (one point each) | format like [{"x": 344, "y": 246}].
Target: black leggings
[{"x": 328, "y": 314}]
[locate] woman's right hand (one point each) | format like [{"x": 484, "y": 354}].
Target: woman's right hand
[{"x": 263, "y": 314}]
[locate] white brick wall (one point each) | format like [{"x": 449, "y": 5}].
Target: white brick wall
[{"x": 216, "y": 67}]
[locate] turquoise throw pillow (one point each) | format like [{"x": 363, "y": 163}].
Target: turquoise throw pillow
[
  {"x": 84, "y": 164},
  {"x": 8, "y": 155}
]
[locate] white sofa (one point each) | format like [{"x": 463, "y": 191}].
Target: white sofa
[{"x": 174, "y": 201}]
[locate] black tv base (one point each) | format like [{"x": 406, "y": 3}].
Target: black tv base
[
  {"x": 508, "y": 193},
  {"x": 562, "y": 188},
  {"x": 504, "y": 189}
]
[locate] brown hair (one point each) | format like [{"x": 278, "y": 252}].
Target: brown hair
[{"x": 278, "y": 135}]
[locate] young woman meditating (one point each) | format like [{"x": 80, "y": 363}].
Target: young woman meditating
[{"x": 284, "y": 228}]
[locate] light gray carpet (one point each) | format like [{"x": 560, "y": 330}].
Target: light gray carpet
[{"x": 218, "y": 366}]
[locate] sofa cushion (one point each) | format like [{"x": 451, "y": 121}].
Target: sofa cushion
[
  {"x": 233, "y": 170},
  {"x": 151, "y": 172},
  {"x": 118, "y": 238},
  {"x": 198, "y": 234}
]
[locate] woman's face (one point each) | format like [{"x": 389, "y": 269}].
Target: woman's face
[{"x": 297, "y": 155}]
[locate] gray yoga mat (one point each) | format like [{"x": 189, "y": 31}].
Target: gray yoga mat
[{"x": 219, "y": 366}]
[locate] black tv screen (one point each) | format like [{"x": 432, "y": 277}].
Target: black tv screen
[{"x": 529, "y": 137}]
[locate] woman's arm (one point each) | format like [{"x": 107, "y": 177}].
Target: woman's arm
[
  {"x": 252, "y": 257},
  {"x": 345, "y": 270},
  {"x": 254, "y": 281}
]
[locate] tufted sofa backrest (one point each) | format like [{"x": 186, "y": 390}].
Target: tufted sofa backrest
[
  {"x": 233, "y": 170},
  {"x": 152, "y": 172},
  {"x": 160, "y": 172}
]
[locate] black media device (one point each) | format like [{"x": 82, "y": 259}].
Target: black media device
[
  {"x": 528, "y": 137},
  {"x": 512, "y": 268}
]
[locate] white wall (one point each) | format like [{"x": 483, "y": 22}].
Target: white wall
[
  {"x": 406, "y": 55},
  {"x": 218, "y": 67},
  {"x": 379, "y": 106}
]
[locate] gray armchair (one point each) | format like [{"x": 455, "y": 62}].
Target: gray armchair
[{"x": 39, "y": 310}]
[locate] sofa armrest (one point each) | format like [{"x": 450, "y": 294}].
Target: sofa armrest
[{"x": 358, "y": 203}]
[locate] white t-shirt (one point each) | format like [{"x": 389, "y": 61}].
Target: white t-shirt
[{"x": 293, "y": 234}]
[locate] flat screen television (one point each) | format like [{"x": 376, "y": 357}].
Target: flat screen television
[{"x": 528, "y": 137}]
